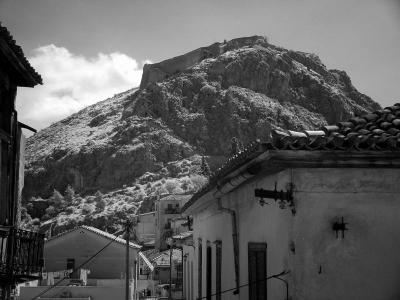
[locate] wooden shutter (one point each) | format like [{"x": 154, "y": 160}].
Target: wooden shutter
[
  {"x": 199, "y": 269},
  {"x": 209, "y": 273},
  {"x": 257, "y": 260}
]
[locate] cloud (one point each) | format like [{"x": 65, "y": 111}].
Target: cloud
[{"x": 72, "y": 82}]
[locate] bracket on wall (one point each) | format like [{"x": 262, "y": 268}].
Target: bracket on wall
[
  {"x": 281, "y": 195},
  {"x": 340, "y": 227}
]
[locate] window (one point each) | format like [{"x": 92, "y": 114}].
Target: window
[
  {"x": 70, "y": 263},
  {"x": 257, "y": 253},
  {"x": 71, "y": 266},
  {"x": 199, "y": 269},
  {"x": 209, "y": 272},
  {"x": 218, "y": 269}
]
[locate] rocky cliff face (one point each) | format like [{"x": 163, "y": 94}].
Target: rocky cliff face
[{"x": 186, "y": 107}]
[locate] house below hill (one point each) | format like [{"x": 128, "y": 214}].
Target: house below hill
[
  {"x": 306, "y": 215},
  {"x": 103, "y": 277}
]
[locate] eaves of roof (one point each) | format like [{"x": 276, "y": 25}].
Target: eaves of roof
[
  {"x": 15, "y": 55},
  {"x": 183, "y": 235},
  {"x": 374, "y": 136},
  {"x": 99, "y": 232}
]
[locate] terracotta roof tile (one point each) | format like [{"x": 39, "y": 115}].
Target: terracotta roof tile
[{"x": 376, "y": 131}]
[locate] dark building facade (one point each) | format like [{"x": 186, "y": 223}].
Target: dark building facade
[{"x": 21, "y": 251}]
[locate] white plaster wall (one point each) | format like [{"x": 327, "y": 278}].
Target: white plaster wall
[
  {"x": 211, "y": 226},
  {"x": 363, "y": 265},
  {"x": 82, "y": 244},
  {"x": 146, "y": 227},
  {"x": 366, "y": 263},
  {"x": 188, "y": 252}
]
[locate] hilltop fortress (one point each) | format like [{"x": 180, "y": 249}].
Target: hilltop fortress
[{"x": 162, "y": 70}]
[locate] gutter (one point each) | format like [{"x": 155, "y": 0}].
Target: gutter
[
  {"x": 225, "y": 189},
  {"x": 235, "y": 240}
]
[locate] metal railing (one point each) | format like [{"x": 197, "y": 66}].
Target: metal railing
[
  {"x": 27, "y": 249},
  {"x": 172, "y": 211}
]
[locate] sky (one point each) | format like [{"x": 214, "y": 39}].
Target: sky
[{"x": 88, "y": 50}]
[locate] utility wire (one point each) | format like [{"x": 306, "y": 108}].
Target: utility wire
[
  {"x": 75, "y": 269},
  {"x": 240, "y": 286}
]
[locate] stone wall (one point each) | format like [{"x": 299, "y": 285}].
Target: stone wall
[{"x": 162, "y": 70}]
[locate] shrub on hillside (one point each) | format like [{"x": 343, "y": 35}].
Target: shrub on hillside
[
  {"x": 170, "y": 185},
  {"x": 70, "y": 210},
  {"x": 100, "y": 205},
  {"x": 69, "y": 195},
  {"x": 50, "y": 212},
  {"x": 57, "y": 199},
  {"x": 87, "y": 209},
  {"x": 198, "y": 181}
]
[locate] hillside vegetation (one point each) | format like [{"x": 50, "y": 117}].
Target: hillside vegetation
[{"x": 146, "y": 142}]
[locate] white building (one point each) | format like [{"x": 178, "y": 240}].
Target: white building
[
  {"x": 313, "y": 215},
  {"x": 145, "y": 229},
  {"x": 88, "y": 263},
  {"x": 168, "y": 218}
]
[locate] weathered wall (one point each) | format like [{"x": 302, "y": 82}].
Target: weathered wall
[
  {"x": 159, "y": 71},
  {"x": 363, "y": 265},
  {"x": 146, "y": 227},
  {"x": 81, "y": 245}
]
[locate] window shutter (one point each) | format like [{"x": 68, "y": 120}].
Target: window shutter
[{"x": 257, "y": 265}]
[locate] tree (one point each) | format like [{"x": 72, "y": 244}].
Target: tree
[
  {"x": 50, "y": 212},
  {"x": 69, "y": 195},
  {"x": 57, "y": 199},
  {"x": 198, "y": 181},
  {"x": 25, "y": 216},
  {"x": 86, "y": 209},
  {"x": 100, "y": 202},
  {"x": 170, "y": 185},
  {"x": 235, "y": 146},
  {"x": 205, "y": 168}
]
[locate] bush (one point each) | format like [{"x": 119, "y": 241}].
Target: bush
[
  {"x": 51, "y": 212},
  {"x": 69, "y": 195},
  {"x": 90, "y": 199},
  {"x": 198, "y": 181},
  {"x": 87, "y": 209},
  {"x": 186, "y": 184},
  {"x": 205, "y": 168},
  {"x": 100, "y": 204},
  {"x": 170, "y": 185},
  {"x": 69, "y": 210},
  {"x": 57, "y": 199}
]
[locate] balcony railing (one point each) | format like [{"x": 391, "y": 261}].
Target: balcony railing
[
  {"x": 27, "y": 249},
  {"x": 172, "y": 211}
]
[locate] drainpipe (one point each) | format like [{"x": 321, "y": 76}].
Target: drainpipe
[{"x": 235, "y": 240}]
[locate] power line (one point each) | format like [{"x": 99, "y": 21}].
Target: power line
[
  {"x": 277, "y": 276},
  {"x": 75, "y": 269}
]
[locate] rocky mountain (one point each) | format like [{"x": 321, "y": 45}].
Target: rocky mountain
[{"x": 187, "y": 107}]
